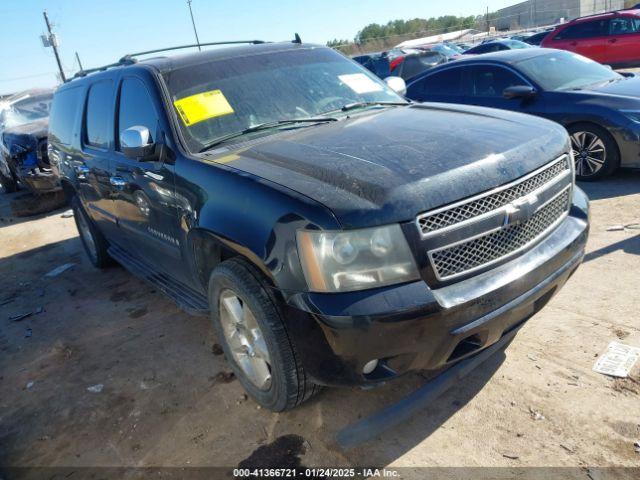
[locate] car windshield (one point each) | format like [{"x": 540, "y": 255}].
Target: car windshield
[
  {"x": 220, "y": 97},
  {"x": 25, "y": 110},
  {"x": 566, "y": 71},
  {"x": 444, "y": 49},
  {"x": 515, "y": 44}
]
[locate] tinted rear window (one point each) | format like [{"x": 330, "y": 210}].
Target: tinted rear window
[
  {"x": 98, "y": 123},
  {"x": 63, "y": 115},
  {"x": 596, "y": 28}
]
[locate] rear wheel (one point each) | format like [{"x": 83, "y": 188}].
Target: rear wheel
[
  {"x": 248, "y": 324},
  {"x": 594, "y": 150},
  {"x": 94, "y": 243}
]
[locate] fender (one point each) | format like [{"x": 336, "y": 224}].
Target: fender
[{"x": 259, "y": 219}]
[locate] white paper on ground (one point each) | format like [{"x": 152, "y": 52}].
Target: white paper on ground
[
  {"x": 360, "y": 83},
  {"x": 618, "y": 360}
]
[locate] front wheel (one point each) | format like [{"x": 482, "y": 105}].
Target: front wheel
[
  {"x": 248, "y": 324},
  {"x": 595, "y": 151}
]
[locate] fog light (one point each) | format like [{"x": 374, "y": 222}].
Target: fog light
[{"x": 369, "y": 367}]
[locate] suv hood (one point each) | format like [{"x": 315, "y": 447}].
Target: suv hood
[{"x": 388, "y": 166}]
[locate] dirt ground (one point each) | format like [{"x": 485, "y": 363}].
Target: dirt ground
[{"x": 169, "y": 399}]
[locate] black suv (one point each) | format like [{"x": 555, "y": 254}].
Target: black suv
[{"x": 336, "y": 233}]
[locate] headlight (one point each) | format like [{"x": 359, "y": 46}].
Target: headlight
[
  {"x": 355, "y": 260},
  {"x": 633, "y": 115}
]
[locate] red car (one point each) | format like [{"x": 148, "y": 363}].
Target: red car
[{"x": 611, "y": 38}]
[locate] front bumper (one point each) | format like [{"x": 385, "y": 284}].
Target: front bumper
[{"x": 412, "y": 327}]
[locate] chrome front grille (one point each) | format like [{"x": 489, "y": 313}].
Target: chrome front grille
[
  {"x": 484, "y": 250},
  {"x": 475, "y": 233},
  {"x": 442, "y": 218}
]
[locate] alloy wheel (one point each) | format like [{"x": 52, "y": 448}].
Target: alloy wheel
[
  {"x": 589, "y": 153},
  {"x": 245, "y": 339}
]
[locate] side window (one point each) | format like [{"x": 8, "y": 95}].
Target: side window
[
  {"x": 136, "y": 107},
  {"x": 98, "y": 119},
  {"x": 64, "y": 112},
  {"x": 596, "y": 28},
  {"x": 447, "y": 82},
  {"x": 624, "y": 25},
  {"x": 490, "y": 81}
]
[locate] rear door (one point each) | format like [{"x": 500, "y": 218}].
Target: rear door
[
  {"x": 624, "y": 40},
  {"x": 92, "y": 162},
  {"x": 440, "y": 86},
  {"x": 143, "y": 190},
  {"x": 588, "y": 38}
]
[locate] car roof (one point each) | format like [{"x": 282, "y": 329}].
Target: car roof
[
  {"x": 505, "y": 56},
  {"x": 170, "y": 62}
]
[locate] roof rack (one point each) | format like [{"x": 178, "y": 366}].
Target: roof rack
[{"x": 130, "y": 59}]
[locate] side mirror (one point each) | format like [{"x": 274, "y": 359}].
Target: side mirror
[
  {"x": 396, "y": 84},
  {"x": 607, "y": 66},
  {"x": 135, "y": 142},
  {"x": 519, "y": 91}
]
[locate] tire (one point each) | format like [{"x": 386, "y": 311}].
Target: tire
[
  {"x": 236, "y": 283},
  {"x": 94, "y": 243},
  {"x": 9, "y": 183},
  {"x": 595, "y": 151}
]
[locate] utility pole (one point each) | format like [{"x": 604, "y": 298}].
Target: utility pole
[
  {"x": 193, "y": 22},
  {"x": 79, "y": 62},
  {"x": 487, "y": 19},
  {"x": 53, "y": 42}
]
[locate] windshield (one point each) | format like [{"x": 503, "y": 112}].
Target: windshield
[
  {"x": 26, "y": 110},
  {"x": 565, "y": 71},
  {"x": 444, "y": 49},
  {"x": 220, "y": 97}
]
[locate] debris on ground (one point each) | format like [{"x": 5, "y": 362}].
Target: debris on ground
[
  {"x": 620, "y": 228},
  {"x": 618, "y": 360},
  {"x": 95, "y": 388},
  {"x": 30, "y": 384},
  {"x": 636, "y": 446},
  {"x": 67, "y": 214},
  {"x": 568, "y": 449},
  {"x": 532, "y": 357},
  {"x": 8, "y": 300},
  {"x": 20, "y": 316},
  {"x": 510, "y": 456},
  {"x": 535, "y": 414},
  {"x": 60, "y": 269}
]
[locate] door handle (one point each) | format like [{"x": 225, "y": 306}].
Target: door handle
[
  {"x": 118, "y": 182},
  {"x": 82, "y": 171},
  {"x": 613, "y": 40},
  {"x": 573, "y": 44}
]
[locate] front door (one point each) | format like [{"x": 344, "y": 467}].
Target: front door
[
  {"x": 144, "y": 190},
  {"x": 484, "y": 86}
]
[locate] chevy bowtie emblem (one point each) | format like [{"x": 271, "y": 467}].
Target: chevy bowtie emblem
[{"x": 520, "y": 210}]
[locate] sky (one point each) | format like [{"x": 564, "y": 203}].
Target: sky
[{"x": 101, "y": 31}]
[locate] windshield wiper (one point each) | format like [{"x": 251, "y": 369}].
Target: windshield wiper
[
  {"x": 265, "y": 126},
  {"x": 355, "y": 105}
]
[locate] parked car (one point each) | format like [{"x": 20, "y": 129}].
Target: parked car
[
  {"x": 537, "y": 38},
  {"x": 336, "y": 234},
  {"x": 445, "y": 49},
  {"x": 416, "y": 63},
  {"x": 23, "y": 142},
  {"x": 377, "y": 63},
  {"x": 612, "y": 38},
  {"x": 599, "y": 107},
  {"x": 396, "y": 56},
  {"x": 497, "y": 46}
]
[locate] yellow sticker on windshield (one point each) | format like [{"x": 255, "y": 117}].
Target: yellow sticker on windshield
[{"x": 202, "y": 106}]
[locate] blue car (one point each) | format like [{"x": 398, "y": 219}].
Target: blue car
[{"x": 599, "y": 107}]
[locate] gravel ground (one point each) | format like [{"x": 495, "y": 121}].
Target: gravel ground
[{"x": 168, "y": 397}]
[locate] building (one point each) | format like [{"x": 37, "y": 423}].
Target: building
[
  {"x": 458, "y": 35},
  {"x": 535, "y": 13}
]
